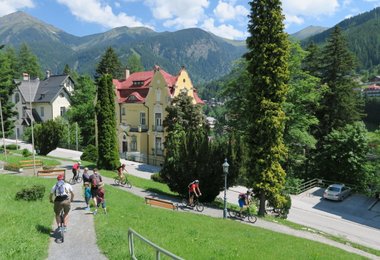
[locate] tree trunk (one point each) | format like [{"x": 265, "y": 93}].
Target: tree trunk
[{"x": 262, "y": 204}]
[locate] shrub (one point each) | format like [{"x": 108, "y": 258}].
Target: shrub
[
  {"x": 12, "y": 167},
  {"x": 12, "y": 147},
  {"x": 90, "y": 154},
  {"x": 33, "y": 193},
  {"x": 157, "y": 178},
  {"x": 26, "y": 152}
]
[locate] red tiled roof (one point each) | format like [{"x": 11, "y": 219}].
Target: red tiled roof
[
  {"x": 197, "y": 98},
  {"x": 372, "y": 87}
]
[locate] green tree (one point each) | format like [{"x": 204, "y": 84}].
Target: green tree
[
  {"x": 48, "y": 135},
  {"x": 312, "y": 62},
  {"x": 301, "y": 103},
  {"x": 7, "y": 87},
  {"x": 267, "y": 57},
  {"x": 82, "y": 110},
  {"x": 110, "y": 64},
  {"x": 134, "y": 63},
  {"x": 108, "y": 155},
  {"x": 67, "y": 70},
  {"x": 344, "y": 155},
  {"x": 340, "y": 105},
  {"x": 28, "y": 63}
]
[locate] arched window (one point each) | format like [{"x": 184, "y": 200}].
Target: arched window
[{"x": 17, "y": 98}]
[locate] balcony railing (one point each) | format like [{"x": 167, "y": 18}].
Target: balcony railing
[{"x": 158, "y": 128}]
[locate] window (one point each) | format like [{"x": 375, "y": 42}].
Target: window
[
  {"x": 142, "y": 118},
  {"x": 158, "y": 145},
  {"x": 133, "y": 143},
  {"x": 158, "y": 95},
  {"x": 62, "y": 111},
  {"x": 61, "y": 95},
  {"x": 184, "y": 80},
  {"x": 42, "y": 111},
  {"x": 158, "y": 119},
  {"x": 132, "y": 98},
  {"x": 123, "y": 111},
  {"x": 17, "y": 98}
]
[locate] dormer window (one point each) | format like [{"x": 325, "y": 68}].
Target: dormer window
[
  {"x": 132, "y": 98},
  {"x": 61, "y": 95},
  {"x": 138, "y": 83}
]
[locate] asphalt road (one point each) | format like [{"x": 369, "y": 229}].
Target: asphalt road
[{"x": 349, "y": 219}]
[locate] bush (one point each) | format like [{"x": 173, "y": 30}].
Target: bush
[
  {"x": 26, "y": 152},
  {"x": 90, "y": 154},
  {"x": 33, "y": 193},
  {"x": 12, "y": 147},
  {"x": 12, "y": 167},
  {"x": 157, "y": 178}
]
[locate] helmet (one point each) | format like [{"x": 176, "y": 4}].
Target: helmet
[
  {"x": 196, "y": 181},
  {"x": 60, "y": 177}
]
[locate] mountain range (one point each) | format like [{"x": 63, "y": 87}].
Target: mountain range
[{"x": 205, "y": 55}]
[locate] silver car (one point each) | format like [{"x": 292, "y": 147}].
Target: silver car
[{"x": 337, "y": 192}]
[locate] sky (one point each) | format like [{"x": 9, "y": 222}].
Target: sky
[{"x": 225, "y": 18}]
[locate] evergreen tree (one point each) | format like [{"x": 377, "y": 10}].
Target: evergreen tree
[
  {"x": 340, "y": 105},
  {"x": 110, "y": 64},
  {"x": 267, "y": 58},
  {"x": 67, "y": 70},
  {"x": 7, "y": 87},
  {"x": 108, "y": 155},
  {"x": 48, "y": 135},
  {"x": 28, "y": 63},
  {"x": 134, "y": 63},
  {"x": 312, "y": 61}
]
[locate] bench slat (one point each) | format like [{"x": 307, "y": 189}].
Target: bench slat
[{"x": 160, "y": 203}]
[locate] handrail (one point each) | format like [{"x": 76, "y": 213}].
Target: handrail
[{"x": 159, "y": 250}]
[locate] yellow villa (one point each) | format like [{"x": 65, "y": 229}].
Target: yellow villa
[{"x": 142, "y": 98}]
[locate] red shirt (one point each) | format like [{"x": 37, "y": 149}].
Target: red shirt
[
  {"x": 193, "y": 187},
  {"x": 76, "y": 166}
]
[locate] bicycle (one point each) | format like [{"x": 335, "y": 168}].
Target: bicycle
[
  {"x": 61, "y": 229},
  {"x": 198, "y": 206},
  {"x": 123, "y": 181},
  {"x": 243, "y": 215},
  {"x": 77, "y": 179}
]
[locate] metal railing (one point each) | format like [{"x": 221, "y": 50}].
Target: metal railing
[{"x": 159, "y": 250}]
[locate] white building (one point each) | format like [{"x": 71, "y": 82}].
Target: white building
[{"x": 46, "y": 99}]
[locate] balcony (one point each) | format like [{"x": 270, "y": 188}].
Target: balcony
[{"x": 157, "y": 128}]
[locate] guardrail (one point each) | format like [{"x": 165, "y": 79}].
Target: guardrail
[{"x": 159, "y": 250}]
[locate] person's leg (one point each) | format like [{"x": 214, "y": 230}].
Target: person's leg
[
  {"x": 57, "y": 210},
  {"x": 66, "y": 209}
]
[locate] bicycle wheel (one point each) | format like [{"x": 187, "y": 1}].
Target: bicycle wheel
[
  {"x": 231, "y": 213},
  {"x": 79, "y": 179},
  {"x": 184, "y": 202},
  {"x": 199, "y": 206},
  {"x": 117, "y": 181},
  {"x": 128, "y": 184},
  {"x": 72, "y": 181},
  {"x": 252, "y": 218}
]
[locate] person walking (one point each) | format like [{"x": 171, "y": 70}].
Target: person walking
[
  {"x": 95, "y": 179},
  {"x": 87, "y": 194},
  {"x": 85, "y": 176},
  {"x": 100, "y": 198},
  {"x": 63, "y": 194}
]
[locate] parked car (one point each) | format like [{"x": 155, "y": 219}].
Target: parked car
[{"x": 337, "y": 192}]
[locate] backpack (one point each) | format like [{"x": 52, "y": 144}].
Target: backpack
[
  {"x": 60, "y": 190},
  {"x": 94, "y": 180}
]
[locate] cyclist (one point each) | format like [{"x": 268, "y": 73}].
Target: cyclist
[
  {"x": 244, "y": 199},
  {"x": 120, "y": 172},
  {"x": 194, "y": 191},
  {"x": 63, "y": 193},
  {"x": 75, "y": 170}
]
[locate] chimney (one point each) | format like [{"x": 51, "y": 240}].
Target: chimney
[
  {"x": 127, "y": 73},
  {"x": 25, "y": 76},
  {"x": 47, "y": 74}
]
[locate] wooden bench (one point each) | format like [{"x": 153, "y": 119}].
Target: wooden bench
[
  {"x": 52, "y": 172},
  {"x": 30, "y": 163},
  {"x": 161, "y": 203}
]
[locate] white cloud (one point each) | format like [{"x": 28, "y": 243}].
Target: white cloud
[
  {"x": 178, "y": 14},
  {"x": 225, "y": 30},
  {"x": 96, "y": 11},
  {"x": 295, "y": 10},
  {"x": 229, "y": 11},
  {"x": 11, "y": 6}
]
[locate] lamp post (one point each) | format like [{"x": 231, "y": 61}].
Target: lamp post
[
  {"x": 2, "y": 130},
  {"x": 225, "y": 171},
  {"x": 31, "y": 123}
]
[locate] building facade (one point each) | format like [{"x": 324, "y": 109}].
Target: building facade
[
  {"x": 141, "y": 100},
  {"x": 41, "y": 100}
]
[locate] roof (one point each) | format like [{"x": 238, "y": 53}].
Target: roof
[
  {"x": 44, "y": 91},
  {"x": 372, "y": 87}
]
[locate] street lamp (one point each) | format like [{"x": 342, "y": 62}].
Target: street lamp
[
  {"x": 225, "y": 171},
  {"x": 2, "y": 130}
]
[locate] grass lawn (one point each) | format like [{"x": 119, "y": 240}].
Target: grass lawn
[
  {"x": 25, "y": 226},
  {"x": 15, "y": 158},
  {"x": 193, "y": 236}
]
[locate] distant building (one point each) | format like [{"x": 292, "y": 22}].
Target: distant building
[
  {"x": 211, "y": 121},
  {"x": 372, "y": 91},
  {"x": 375, "y": 80},
  {"x": 142, "y": 98},
  {"x": 49, "y": 98}
]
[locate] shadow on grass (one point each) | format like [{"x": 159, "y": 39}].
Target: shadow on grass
[
  {"x": 160, "y": 193},
  {"x": 43, "y": 229}
]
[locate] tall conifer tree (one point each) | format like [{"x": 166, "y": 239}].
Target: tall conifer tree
[
  {"x": 108, "y": 155},
  {"x": 267, "y": 65}
]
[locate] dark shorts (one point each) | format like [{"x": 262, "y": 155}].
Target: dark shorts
[
  {"x": 59, "y": 205},
  {"x": 241, "y": 203},
  {"x": 94, "y": 192}
]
